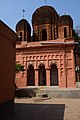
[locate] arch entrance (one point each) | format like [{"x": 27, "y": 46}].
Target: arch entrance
[
  {"x": 44, "y": 34},
  {"x": 30, "y": 76},
  {"x": 53, "y": 75},
  {"x": 65, "y": 32},
  {"x": 42, "y": 75}
]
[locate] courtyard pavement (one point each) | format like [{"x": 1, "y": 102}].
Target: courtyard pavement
[{"x": 51, "y": 109}]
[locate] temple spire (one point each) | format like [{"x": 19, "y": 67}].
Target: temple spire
[
  {"x": 45, "y": 1},
  {"x": 23, "y": 13}
]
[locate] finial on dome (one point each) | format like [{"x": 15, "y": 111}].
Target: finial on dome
[
  {"x": 45, "y": 1},
  {"x": 23, "y": 13}
]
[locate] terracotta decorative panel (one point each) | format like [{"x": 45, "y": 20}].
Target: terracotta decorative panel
[
  {"x": 61, "y": 56},
  {"x": 23, "y": 62},
  {"x": 57, "y": 56},
  {"x": 69, "y": 72},
  {"x": 27, "y": 58},
  {"x": 30, "y": 57},
  {"x": 41, "y": 57},
  {"x": 69, "y": 63},
  {"x": 18, "y": 57},
  {"x": 61, "y": 61},
  {"x": 23, "y": 58},
  {"x": 45, "y": 57},
  {"x": 52, "y": 56},
  {"x": 34, "y": 57},
  {"x": 37, "y": 57},
  {"x": 61, "y": 65},
  {"x": 61, "y": 73},
  {"x": 68, "y": 55},
  {"x": 49, "y": 56}
]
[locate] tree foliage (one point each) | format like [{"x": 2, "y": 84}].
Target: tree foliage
[
  {"x": 19, "y": 67},
  {"x": 76, "y": 36}
]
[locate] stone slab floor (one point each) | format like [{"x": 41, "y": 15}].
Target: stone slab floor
[{"x": 51, "y": 109}]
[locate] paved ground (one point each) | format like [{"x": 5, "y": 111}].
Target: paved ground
[{"x": 51, "y": 109}]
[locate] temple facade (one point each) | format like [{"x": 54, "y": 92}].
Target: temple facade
[{"x": 48, "y": 55}]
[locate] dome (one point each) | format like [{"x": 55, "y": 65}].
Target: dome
[
  {"x": 44, "y": 15},
  {"x": 65, "y": 20},
  {"x": 23, "y": 23}
]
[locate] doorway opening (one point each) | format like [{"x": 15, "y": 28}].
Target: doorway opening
[
  {"x": 42, "y": 75},
  {"x": 30, "y": 76},
  {"x": 44, "y": 34},
  {"x": 53, "y": 75}
]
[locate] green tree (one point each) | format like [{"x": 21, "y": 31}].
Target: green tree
[
  {"x": 76, "y": 36},
  {"x": 19, "y": 67}
]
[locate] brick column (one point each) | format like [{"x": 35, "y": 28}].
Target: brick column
[
  {"x": 47, "y": 77},
  {"x": 73, "y": 69},
  {"x": 26, "y": 77},
  {"x": 36, "y": 77},
  {"x": 65, "y": 70}
]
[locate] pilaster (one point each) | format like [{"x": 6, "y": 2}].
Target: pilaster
[
  {"x": 36, "y": 77},
  {"x": 48, "y": 76}
]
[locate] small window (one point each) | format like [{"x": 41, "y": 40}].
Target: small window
[
  {"x": 65, "y": 32},
  {"x": 20, "y": 36},
  {"x": 44, "y": 34}
]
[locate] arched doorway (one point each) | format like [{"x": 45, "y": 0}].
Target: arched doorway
[
  {"x": 65, "y": 32},
  {"x": 30, "y": 76},
  {"x": 42, "y": 75},
  {"x": 53, "y": 75},
  {"x": 44, "y": 34}
]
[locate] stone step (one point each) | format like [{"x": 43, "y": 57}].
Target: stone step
[
  {"x": 50, "y": 91},
  {"x": 41, "y": 95},
  {"x": 61, "y": 93}
]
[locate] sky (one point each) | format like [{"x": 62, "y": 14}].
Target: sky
[{"x": 11, "y": 10}]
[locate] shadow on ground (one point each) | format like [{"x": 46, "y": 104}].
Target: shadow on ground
[{"x": 38, "y": 112}]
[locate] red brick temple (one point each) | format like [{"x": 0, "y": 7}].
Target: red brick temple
[{"x": 48, "y": 55}]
